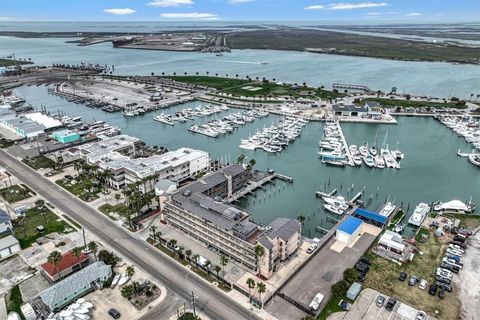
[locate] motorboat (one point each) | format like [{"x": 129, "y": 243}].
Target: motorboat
[
  {"x": 163, "y": 118},
  {"x": 379, "y": 162},
  {"x": 399, "y": 228},
  {"x": 369, "y": 161},
  {"x": 115, "y": 280},
  {"x": 357, "y": 160},
  {"x": 335, "y": 163},
  {"x": 419, "y": 214},
  {"x": 373, "y": 151},
  {"x": 333, "y": 209},
  {"x": 474, "y": 159}
]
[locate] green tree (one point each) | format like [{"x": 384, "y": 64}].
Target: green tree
[
  {"x": 251, "y": 285},
  {"x": 301, "y": 219},
  {"x": 241, "y": 158},
  {"x": 340, "y": 288},
  {"x": 217, "y": 270},
  {"x": 130, "y": 271},
  {"x": 259, "y": 250},
  {"x": 350, "y": 275},
  {"x": 188, "y": 253},
  {"x": 127, "y": 291},
  {"x": 93, "y": 247},
  {"x": 55, "y": 257},
  {"x": 261, "y": 288},
  {"x": 251, "y": 163},
  {"x": 195, "y": 259},
  {"x": 77, "y": 253},
  {"x": 153, "y": 230}
]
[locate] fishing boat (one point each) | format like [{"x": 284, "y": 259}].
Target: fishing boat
[
  {"x": 128, "y": 113},
  {"x": 333, "y": 209},
  {"x": 369, "y": 161},
  {"x": 335, "y": 163},
  {"x": 163, "y": 118},
  {"x": 123, "y": 279},
  {"x": 474, "y": 159},
  {"x": 115, "y": 281}
]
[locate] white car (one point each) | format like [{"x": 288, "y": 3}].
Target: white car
[
  {"x": 315, "y": 304},
  {"x": 456, "y": 247},
  {"x": 443, "y": 273},
  {"x": 452, "y": 262},
  {"x": 312, "y": 248},
  {"x": 423, "y": 284},
  {"x": 454, "y": 252}
]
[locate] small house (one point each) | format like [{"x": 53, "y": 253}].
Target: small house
[
  {"x": 5, "y": 222},
  {"x": 349, "y": 230},
  {"x": 9, "y": 245},
  {"x": 68, "y": 265}
]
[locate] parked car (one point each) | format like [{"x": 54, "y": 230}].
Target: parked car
[
  {"x": 449, "y": 267},
  {"x": 460, "y": 244},
  {"x": 441, "y": 293},
  {"x": 365, "y": 261},
  {"x": 361, "y": 267},
  {"x": 451, "y": 256},
  {"x": 412, "y": 281},
  {"x": 403, "y": 276},
  {"x": 433, "y": 289},
  {"x": 455, "y": 247},
  {"x": 466, "y": 232},
  {"x": 391, "y": 304},
  {"x": 69, "y": 177},
  {"x": 459, "y": 238},
  {"x": 443, "y": 280},
  {"x": 312, "y": 248},
  {"x": 421, "y": 315},
  {"x": 447, "y": 287},
  {"x": 423, "y": 284},
  {"x": 114, "y": 313},
  {"x": 380, "y": 301},
  {"x": 315, "y": 304},
  {"x": 455, "y": 252},
  {"x": 453, "y": 262}
]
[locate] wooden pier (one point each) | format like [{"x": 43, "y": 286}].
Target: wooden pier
[{"x": 252, "y": 186}]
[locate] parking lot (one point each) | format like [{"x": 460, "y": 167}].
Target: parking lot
[
  {"x": 318, "y": 276},
  {"x": 365, "y": 308}
]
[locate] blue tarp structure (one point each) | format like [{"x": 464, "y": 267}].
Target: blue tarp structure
[{"x": 371, "y": 217}]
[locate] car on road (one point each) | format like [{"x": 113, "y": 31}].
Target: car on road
[
  {"x": 380, "y": 301},
  {"x": 413, "y": 280},
  {"x": 433, "y": 289},
  {"x": 421, "y": 315},
  {"x": 403, "y": 276},
  {"x": 114, "y": 313},
  {"x": 423, "y": 284},
  {"x": 312, "y": 248},
  {"x": 391, "y": 304},
  {"x": 441, "y": 293},
  {"x": 315, "y": 304}
]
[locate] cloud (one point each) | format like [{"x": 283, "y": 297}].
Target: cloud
[
  {"x": 191, "y": 15},
  {"x": 347, "y": 6},
  {"x": 120, "y": 12},
  {"x": 239, "y": 1},
  {"x": 6, "y": 18},
  {"x": 413, "y": 14},
  {"x": 315, "y": 7},
  {"x": 373, "y": 14},
  {"x": 170, "y": 3}
]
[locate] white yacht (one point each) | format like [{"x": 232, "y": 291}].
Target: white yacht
[
  {"x": 333, "y": 209},
  {"x": 163, "y": 118},
  {"x": 419, "y": 214}
]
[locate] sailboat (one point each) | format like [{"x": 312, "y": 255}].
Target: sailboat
[{"x": 373, "y": 148}]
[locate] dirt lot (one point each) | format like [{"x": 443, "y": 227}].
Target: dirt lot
[{"x": 383, "y": 277}]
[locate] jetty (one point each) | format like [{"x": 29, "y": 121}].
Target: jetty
[
  {"x": 357, "y": 87},
  {"x": 253, "y": 185}
]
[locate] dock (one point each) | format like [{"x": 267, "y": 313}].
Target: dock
[{"x": 252, "y": 186}]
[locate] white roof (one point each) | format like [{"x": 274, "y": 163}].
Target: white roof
[
  {"x": 391, "y": 244},
  {"x": 8, "y": 242},
  {"x": 454, "y": 205},
  {"x": 43, "y": 119}
]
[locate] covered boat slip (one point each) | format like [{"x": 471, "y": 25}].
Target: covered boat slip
[{"x": 455, "y": 206}]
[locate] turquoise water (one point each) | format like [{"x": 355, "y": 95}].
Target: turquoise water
[
  {"x": 423, "y": 78},
  {"x": 431, "y": 170}
]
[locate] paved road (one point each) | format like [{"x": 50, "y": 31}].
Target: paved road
[{"x": 172, "y": 275}]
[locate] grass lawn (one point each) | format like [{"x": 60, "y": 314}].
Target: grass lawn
[
  {"x": 10, "y": 62},
  {"x": 16, "y": 193},
  {"x": 213, "y": 82},
  {"x": 331, "y": 307},
  {"x": 39, "y": 162},
  {"x": 79, "y": 186},
  {"x": 392, "y": 103},
  {"x": 470, "y": 221},
  {"x": 14, "y": 301},
  {"x": 26, "y": 229},
  {"x": 383, "y": 276},
  {"x": 120, "y": 209}
]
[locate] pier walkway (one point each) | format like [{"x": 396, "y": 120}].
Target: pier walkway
[{"x": 253, "y": 185}]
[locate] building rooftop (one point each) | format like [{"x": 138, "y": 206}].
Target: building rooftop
[
  {"x": 4, "y": 217},
  {"x": 68, "y": 261},
  {"x": 363, "y": 213},
  {"x": 350, "y": 225},
  {"x": 284, "y": 228},
  {"x": 74, "y": 283},
  {"x": 8, "y": 241},
  {"x": 349, "y": 108}
]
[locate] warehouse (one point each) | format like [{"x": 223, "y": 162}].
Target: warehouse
[{"x": 349, "y": 230}]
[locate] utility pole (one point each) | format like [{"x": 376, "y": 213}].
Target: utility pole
[{"x": 84, "y": 239}]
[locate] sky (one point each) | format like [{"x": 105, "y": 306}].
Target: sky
[{"x": 241, "y": 10}]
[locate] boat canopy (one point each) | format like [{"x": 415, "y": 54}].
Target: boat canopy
[{"x": 454, "y": 205}]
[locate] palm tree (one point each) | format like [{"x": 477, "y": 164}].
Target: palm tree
[
  {"x": 77, "y": 253},
  {"x": 251, "y": 285},
  {"x": 93, "y": 246},
  {"x": 188, "y": 253},
  {"x": 261, "y": 288},
  {"x": 217, "y": 270},
  {"x": 241, "y": 158},
  {"x": 251, "y": 163},
  {"x": 55, "y": 257},
  {"x": 117, "y": 197},
  {"x": 130, "y": 271},
  {"x": 223, "y": 262},
  {"x": 127, "y": 291},
  {"x": 301, "y": 219},
  {"x": 195, "y": 259},
  {"x": 153, "y": 229}
]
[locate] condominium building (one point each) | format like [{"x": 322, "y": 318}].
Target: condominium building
[
  {"x": 116, "y": 154},
  {"x": 200, "y": 210}
]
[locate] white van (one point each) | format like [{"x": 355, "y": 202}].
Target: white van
[{"x": 315, "y": 304}]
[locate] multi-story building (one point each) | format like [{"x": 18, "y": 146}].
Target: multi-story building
[
  {"x": 117, "y": 155},
  {"x": 200, "y": 210}
]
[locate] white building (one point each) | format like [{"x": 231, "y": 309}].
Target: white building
[
  {"x": 9, "y": 246},
  {"x": 349, "y": 230},
  {"x": 5, "y": 222}
]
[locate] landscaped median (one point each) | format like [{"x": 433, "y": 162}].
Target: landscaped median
[{"x": 188, "y": 260}]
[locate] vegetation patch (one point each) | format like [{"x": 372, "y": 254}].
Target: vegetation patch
[
  {"x": 82, "y": 187},
  {"x": 331, "y": 307},
  {"x": 39, "y": 162},
  {"x": 16, "y": 193},
  {"x": 10, "y": 62},
  {"x": 398, "y": 103},
  {"x": 118, "y": 209},
  {"x": 26, "y": 227},
  {"x": 15, "y": 301}
]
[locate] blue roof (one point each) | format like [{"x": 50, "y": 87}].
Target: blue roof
[
  {"x": 350, "y": 225},
  {"x": 371, "y": 216}
]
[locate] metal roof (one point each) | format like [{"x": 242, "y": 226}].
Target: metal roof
[
  {"x": 349, "y": 108},
  {"x": 362, "y": 213},
  {"x": 4, "y": 217},
  {"x": 8, "y": 241},
  {"x": 284, "y": 228},
  {"x": 350, "y": 225}
]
